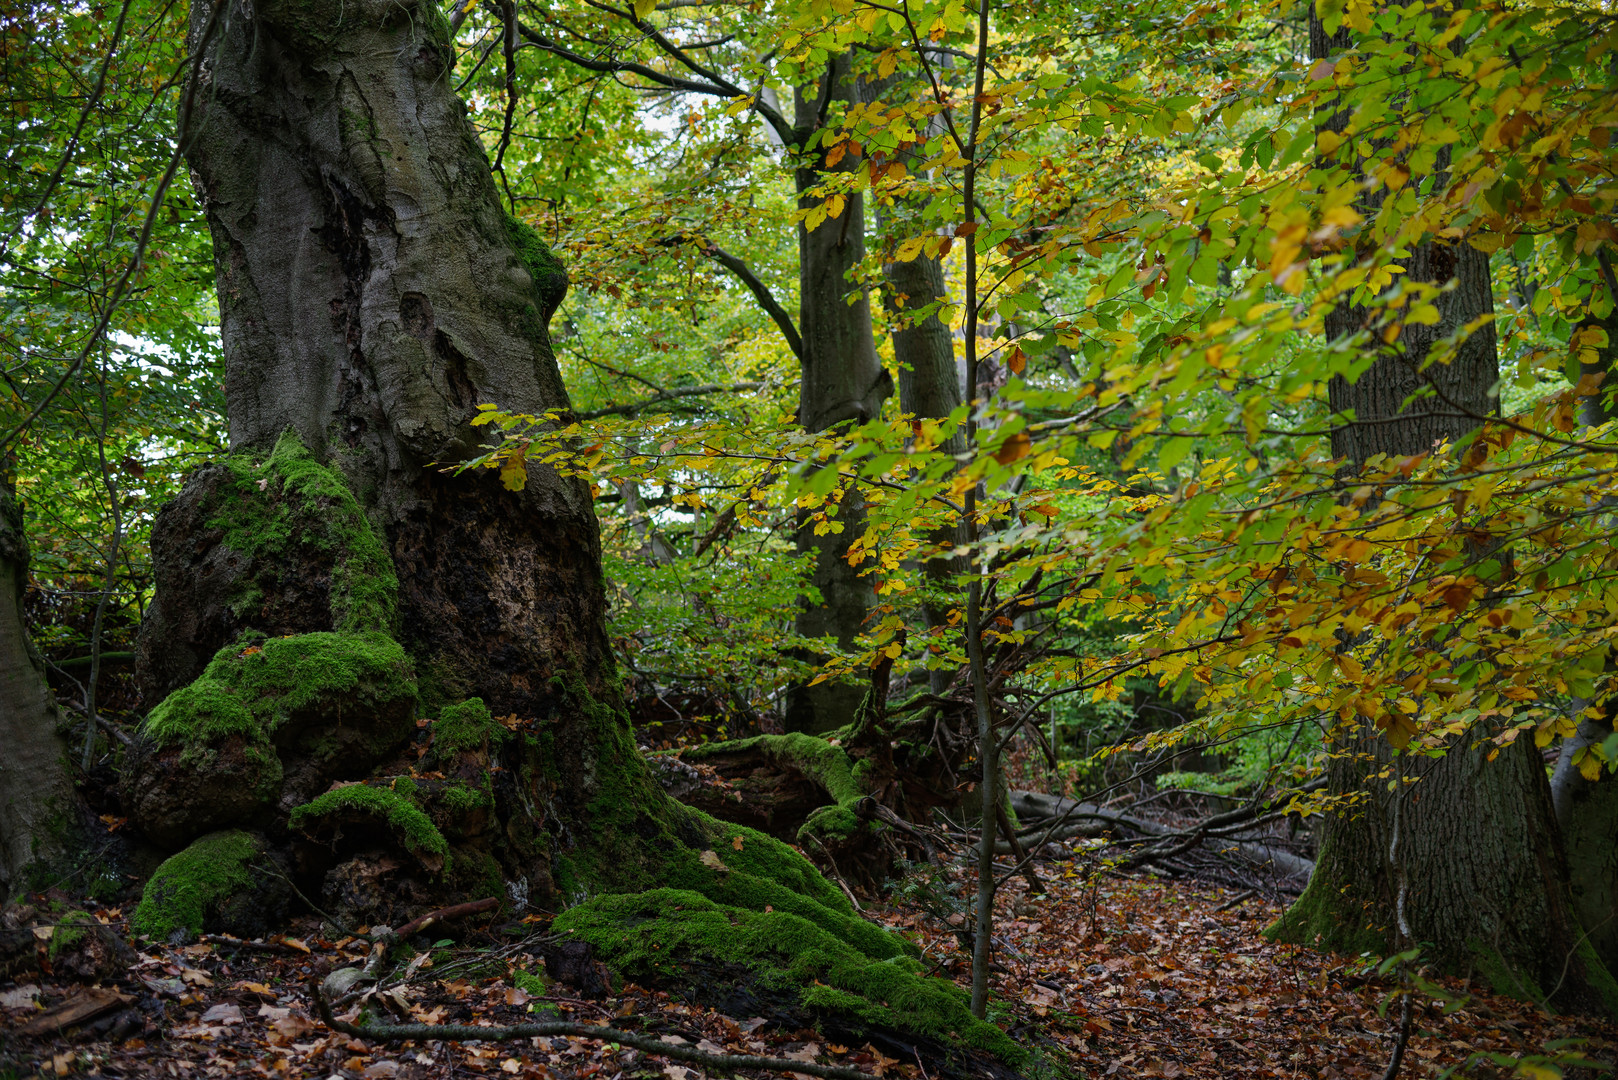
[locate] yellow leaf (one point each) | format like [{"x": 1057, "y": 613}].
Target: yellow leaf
[
  {"x": 514, "y": 473},
  {"x": 1590, "y": 766},
  {"x": 644, "y": 8},
  {"x": 736, "y": 843}
]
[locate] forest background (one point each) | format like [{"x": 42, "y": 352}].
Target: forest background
[{"x": 1122, "y": 385}]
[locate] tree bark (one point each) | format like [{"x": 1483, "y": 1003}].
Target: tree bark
[
  {"x": 843, "y": 383},
  {"x": 929, "y": 380},
  {"x": 1480, "y": 878},
  {"x": 373, "y": 293},
  {"x": 36, "y": 793}
]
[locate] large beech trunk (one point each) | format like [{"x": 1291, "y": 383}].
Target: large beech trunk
[
  {"x": 36, "y": 794},
  {"x": 843, "y": 382},
  {"x": 373, "y": 292},
  {"x": 1479, "y": 865}
]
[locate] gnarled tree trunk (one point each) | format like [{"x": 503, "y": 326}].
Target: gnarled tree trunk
[{"x": 330, "y": 581}]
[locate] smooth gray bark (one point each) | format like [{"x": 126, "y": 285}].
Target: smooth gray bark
[
  {"x": 843, "y": 382},
  {"x": 36, "y": 793}
]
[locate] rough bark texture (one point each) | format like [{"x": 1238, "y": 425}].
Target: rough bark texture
[
  {"x": 36, "y": 795},
  {"x": 373, "y": 292},
  {"x": 843, "y": 382},
  {"x": 1485, "y": 877}
]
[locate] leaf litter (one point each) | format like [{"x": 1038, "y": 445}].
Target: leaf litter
[{"x": 1117, "y": 976}]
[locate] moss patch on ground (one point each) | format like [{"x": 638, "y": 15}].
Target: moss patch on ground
[
  {"x": 211, "y": 872},
  {"x": 661, "y": 932},
  {"x": 409, "y": 825}
]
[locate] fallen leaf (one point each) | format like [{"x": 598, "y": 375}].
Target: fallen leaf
[
  {"x": 223, "y": 1013},
  {"x": 22, "y": 997}
]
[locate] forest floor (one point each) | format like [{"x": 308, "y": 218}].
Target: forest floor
[{"x": 1117, "y": 977}]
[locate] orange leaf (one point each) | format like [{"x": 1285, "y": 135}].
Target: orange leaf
[{"x": 1015, "y": 447}]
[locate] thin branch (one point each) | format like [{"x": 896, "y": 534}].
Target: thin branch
[
  {"x": 661, "y": 396},
  {"x": 645, "y": 1043}
]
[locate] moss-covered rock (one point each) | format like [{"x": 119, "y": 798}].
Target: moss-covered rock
[
  {"x": 224, "y": 882},
  {"x": 662, "y": 932},
  {"x": 361, "y": 806},
  {"x": 269, "y": 719}
]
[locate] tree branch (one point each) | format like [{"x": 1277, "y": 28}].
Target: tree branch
[
  {"x": 761, "y": 293},
  {"x": 634, "y": 407}
]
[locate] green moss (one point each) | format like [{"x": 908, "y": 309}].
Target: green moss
[
  {"x": 465, "y": 728},
  {"x": 406, "y": 788},
  {"x": 477, "y": 874},
  {"x": 828, "y": 765},
  {"x": 659, "y": 933},
  {"x": 1325, "y": 917},
  {"x": 253, "y": 690},
  {"x": 460, "y": 799},
  {"x": 289, "y": 498},
  {"x": 530, "y": 982},
  {"x": 1598, "y": 977},
  {"x": 412, "y": 827},
  {"x": 71, "y": 929},
  {"x": 202, "y": 876},
  {"x": 1502, "y": 976},
  {"x": 550, "y": 277},
  {"x": 204, "y": 711}
]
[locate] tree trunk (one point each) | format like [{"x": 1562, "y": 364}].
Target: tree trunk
[
  {"x": 36, "y": 794},
  {"x": 1479, "y": 860},
  {"x": 843, "y": 383},
  {"x": 929, "y": 381},
  {"x": 1587, "y": 813},
  {"x": 330, "y": 579},
  {"x": 1587, "y": 810}
]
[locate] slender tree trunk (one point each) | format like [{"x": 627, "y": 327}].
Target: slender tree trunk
[
  {"x": 929, "y": 380},
  {"x": 1487, "y": 877},
  {"x": 843, "y": 383},
  {"x": 36, "y": 794}
]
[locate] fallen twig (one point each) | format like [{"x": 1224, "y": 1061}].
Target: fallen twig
[
  {"x": 1239, "y": 898},
  {"x": 645, "y": 1043},
  {"x": 417, "y": 925}
]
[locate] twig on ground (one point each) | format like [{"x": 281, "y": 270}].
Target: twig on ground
[
  {"x": 647, "y": 1044},
  {"x": 417, "y": 925},
  {"x": 1236, "y": 900}
]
